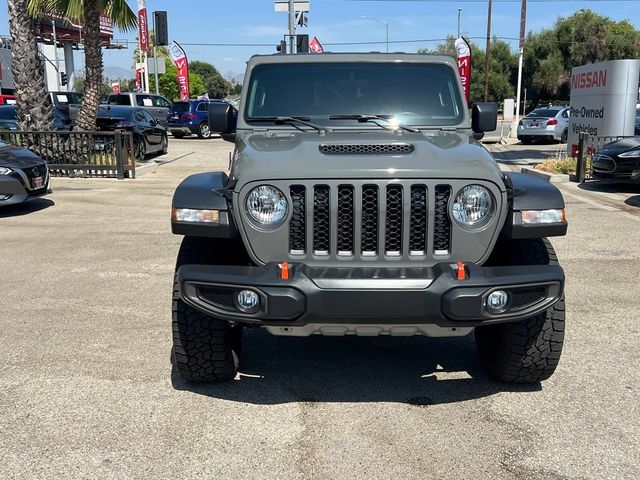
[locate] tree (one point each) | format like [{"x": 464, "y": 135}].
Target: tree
[
  {"x": 214, "y": 83},
  {"x": 34, "y": 110},
  {"x": 88, "y": 13},
  {"x": 168, "y": 82},
  {"x": 502, "y": 68}
]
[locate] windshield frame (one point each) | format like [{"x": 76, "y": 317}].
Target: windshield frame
[{"x": 462, "y": 121}]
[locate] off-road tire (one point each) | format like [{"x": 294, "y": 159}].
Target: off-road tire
[
  {"x": 204, "y": 131},
  {"x": 527, "y": 351},
  {"x": 205, "y": 349}
]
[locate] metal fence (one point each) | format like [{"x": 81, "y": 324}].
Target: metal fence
[
  {"x": 588, "y": 146},
  {"x": 80, "y": 154}
]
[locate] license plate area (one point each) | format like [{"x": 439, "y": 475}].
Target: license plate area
[{"x": 37, "y": 182}]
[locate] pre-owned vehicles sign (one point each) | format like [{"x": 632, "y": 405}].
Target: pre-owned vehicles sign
[{"x": 603, "y": 100}]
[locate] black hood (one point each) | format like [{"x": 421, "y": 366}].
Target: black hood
[
  {"x": 620, "y": 146},
  {"x": 13, "y": 156}
]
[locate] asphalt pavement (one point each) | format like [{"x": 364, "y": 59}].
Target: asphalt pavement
[{"x": 87, "y": 389}]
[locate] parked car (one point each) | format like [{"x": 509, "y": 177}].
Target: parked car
[
  {"x": 148, "y": 135},
  {"x": 619, "y": 160},
  {"x": 547, "y": 123},
  {"x": 7, "y": 99},
  {"x": 8, "y": 118},
  {"x": 67, "y": 102},
  {"x": 157, "y": 105},
  {"x": 23, "y": 175},
  {"x": 637, "y": 129},
  {"x": 192, "y": 117}
]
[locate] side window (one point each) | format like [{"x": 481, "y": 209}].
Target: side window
[
  {"x": 144, "y": 101},
  {"x": 160, "y": 102},
  {"x": 202, "y": 107},
  {"x": 138, "y": 116},
  {"x": 148, "y": 118},
  {"x": 565, "y": 114}
]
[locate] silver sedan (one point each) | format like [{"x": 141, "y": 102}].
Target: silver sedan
[{"x": 546, "y": 124}]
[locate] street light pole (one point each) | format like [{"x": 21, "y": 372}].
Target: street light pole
[
  {"x": 459, "y": 12},
  {"x": 386, "y": 26},
  {"x": 487, "y": 55}
]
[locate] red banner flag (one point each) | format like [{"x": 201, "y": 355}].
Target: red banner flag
[
  {"x": 179, "y": 58},
  {"x": 315, "y": 46},
  {"x": 143, "y": 26},
  {"x": 464, "y": 64}
]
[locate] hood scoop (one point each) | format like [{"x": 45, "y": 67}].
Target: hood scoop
[{"x": 367, "y": 149}]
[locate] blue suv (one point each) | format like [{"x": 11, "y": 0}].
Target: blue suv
[{"x": 192, "y": 117}]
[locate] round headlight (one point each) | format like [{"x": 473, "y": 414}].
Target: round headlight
[
  {"x": 473, "y": 206},
  {"x": 267, "y": 205}
]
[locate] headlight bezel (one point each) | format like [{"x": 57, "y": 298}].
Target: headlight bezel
[
  {"x": 248, "y": 209},
  {"x": 635, "y": 153},
  {"x": 485, "y": 220}
]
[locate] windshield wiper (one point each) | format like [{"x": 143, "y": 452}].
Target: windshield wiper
[
  {"x": 374, "y": 119},
  {"x": 291, "y": 121}
]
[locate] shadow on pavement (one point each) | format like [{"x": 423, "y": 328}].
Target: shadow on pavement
[
  {"x": 611, "y": 186},
  {"x": 26, "y": 208},
  {"x": 413, "y": 370}
]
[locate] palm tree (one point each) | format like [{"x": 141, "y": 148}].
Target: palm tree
[
  {"x": 34, "y": 108},
  {"x": 88, "y": 12}
]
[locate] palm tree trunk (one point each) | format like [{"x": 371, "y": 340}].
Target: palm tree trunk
[
  {"x": 34, "y": 110},
  {"x": 92, "y": 65}
]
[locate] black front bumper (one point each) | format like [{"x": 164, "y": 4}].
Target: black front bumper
[{"x": 421, "y": 295}]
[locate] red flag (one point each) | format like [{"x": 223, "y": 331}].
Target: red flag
[
  {"x": 464, "y": 64},
  {"x": 179, "y": 58},
  {"x": 315, "y": 46},
  {"x": 143, "y": 26}
]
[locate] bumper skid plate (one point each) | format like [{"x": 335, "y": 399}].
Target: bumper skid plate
[{"x": 370, "y": 296}]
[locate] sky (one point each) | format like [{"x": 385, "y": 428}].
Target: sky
[{"x": 195, "y": 23}]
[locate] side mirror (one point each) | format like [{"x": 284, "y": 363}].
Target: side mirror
[
  {"x": 484, "y": 117},
  {"x": 222, "y": 118}
]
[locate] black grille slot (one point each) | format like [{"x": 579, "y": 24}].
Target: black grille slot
[
  {"x": 369, "y": 241},
  {"x": 441, "y": 222},
  {"x": 345, "y": 219},
  {"x": 321, "y": 220},
  {"x": 360, "y": 149},
  {"x": 218, "y": 296},
  {"x": 418, "y": 223},
  {"x": 393, "y": 221},
  {"x": 297, "y": 226},
  {"x": 524, "y": 297}
]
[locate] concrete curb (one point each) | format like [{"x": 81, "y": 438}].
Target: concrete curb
[{"x": 549, "y": 177}]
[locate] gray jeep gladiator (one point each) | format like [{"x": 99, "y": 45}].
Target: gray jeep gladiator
[{"x": 359, "y": 202}]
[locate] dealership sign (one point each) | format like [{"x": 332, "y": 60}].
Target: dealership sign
[{"x": 603, "y": 100}]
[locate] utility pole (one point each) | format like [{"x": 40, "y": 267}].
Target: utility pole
[
  {"x": 155, "y": 55},
  {"x": 292, "y": 26},
  {"x": 459, "y": 12},
  {"x": 55, "y": 54},
  {"x": 523, "y": 21},
  {"x": 487, "y": 55}
]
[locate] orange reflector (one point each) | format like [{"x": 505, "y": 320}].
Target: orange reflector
[
  {"x": 284, "y": 270},
  {"x": 461, "y": 273}
]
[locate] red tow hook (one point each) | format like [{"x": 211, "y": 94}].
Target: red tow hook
[
  {"x": 461, "y": 272},
  {"x": 284, "y": 270}
]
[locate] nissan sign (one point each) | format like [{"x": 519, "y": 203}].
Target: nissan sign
[{"x": 603, "y": 100}]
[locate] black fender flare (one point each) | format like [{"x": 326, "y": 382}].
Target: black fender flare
[
  {"x": 204, "y": 191},
  {"x": 531, "y": 192}
]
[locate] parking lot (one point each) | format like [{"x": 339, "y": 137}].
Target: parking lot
[{"x": 87, "y": 389}]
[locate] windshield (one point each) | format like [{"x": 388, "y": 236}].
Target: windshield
[
  {"x": 424, "y": 94},
  {"x": 543, "y": 112}
]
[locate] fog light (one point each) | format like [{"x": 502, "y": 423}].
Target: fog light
[
  {"x": 497, "y": 301},
  {"x": 5, "y": 197},
  {"x": 248, "y": 301}
]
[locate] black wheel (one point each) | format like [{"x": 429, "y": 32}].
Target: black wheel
[
  {"x": 204, "y": 131},
  {"x": 205, "y": 349},
  {"x": 140, "y": 150},
  {"x": 164, "y": 145},
  {"x": 564, "y": 137},
  {"x": 177, "y": 134},
  {"x": 527, "y": 351}
]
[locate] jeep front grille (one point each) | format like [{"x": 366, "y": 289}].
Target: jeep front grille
[
  {"x": 377, "y": 213},
  {"x": 377, "y": 222}
]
